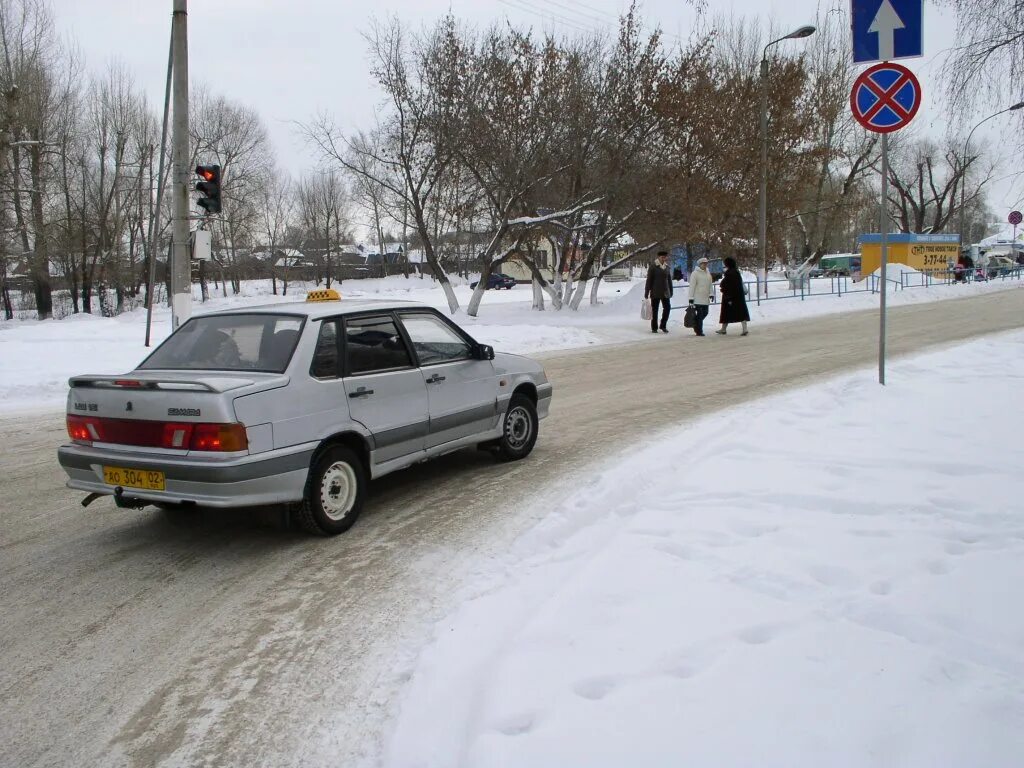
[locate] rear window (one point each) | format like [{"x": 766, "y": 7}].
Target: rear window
[{"x": 229, "y": 343}]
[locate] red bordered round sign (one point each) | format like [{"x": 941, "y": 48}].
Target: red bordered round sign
[{"x": 885, "y": 97}]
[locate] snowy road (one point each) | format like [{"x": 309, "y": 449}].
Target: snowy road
[{"x": 132, "y": 638}]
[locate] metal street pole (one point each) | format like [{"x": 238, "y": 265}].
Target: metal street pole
[
  {"x": 963, "y": 181},
  {"x": 154, "y": 224},
  {"x": 762, "y": 235},
  {"x": 181, "y": 269},
  {"x": 885, "y": 255}
]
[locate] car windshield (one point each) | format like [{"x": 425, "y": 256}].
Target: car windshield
[{"x": 256, "y": 342}]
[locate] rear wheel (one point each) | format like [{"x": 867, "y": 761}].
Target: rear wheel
[
  {"x": 334, "y": 493},
  {"x": 519, "y": 429}
]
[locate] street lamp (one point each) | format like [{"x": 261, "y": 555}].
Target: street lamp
[
  {"x": 963, "y": 181},
  {"x": 805, "y": 31}
]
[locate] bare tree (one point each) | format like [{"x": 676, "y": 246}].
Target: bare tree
[
  {"x": 925, "y": 181},
  {"x": 115, "y": 115},
  {"x": 277, "y": 214},
  {"x": 37, "y": 79},
  {"x": 845, "y": 152},
  {"x": 233, "y": 136},
  {"x": 323, "y": 203},
  {"x": 987, "y": 65},
  {"x": 409, "y": 154}
]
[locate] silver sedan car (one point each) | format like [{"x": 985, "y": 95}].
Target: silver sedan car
[{"x": 297, "y": 404}]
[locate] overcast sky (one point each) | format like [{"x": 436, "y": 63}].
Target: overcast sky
[{"x": 292, "y": 58}]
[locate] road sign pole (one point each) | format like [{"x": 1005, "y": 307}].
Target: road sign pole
[{"x": 885, "y": 256}]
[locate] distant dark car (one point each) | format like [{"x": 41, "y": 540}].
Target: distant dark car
[{"x": 498, "y": 280}]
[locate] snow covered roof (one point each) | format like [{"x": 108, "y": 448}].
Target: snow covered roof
[{"x": 1004, "y": 237}]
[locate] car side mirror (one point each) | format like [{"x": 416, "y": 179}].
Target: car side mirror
[{"x": 483, "y": 352}]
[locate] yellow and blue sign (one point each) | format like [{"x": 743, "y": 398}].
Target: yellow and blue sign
[{"x": 925, "y": 253}]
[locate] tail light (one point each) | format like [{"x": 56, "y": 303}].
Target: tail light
[
  {"x": 82, "y": 429},
  {"x": 219, "y": 437},
  {"x": 225, "y": 438}
]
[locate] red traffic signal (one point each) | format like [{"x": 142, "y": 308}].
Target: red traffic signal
[{"x": 209, "y": 187}]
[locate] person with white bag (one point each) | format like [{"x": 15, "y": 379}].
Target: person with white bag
[{"x": 701, "y": 291}]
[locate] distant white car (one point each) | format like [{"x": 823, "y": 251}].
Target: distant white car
[{"x": 302, "y": 402}]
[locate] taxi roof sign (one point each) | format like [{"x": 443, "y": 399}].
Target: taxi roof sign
[{"x": 324, "y": 294}]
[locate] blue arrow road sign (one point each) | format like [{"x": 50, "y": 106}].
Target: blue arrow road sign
[{"x": 884, "y": 30}]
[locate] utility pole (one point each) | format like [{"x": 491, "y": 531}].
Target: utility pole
[{"x": 181, "y": 267}]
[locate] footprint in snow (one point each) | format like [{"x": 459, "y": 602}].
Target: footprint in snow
[
  {"x": 677, "y": 551},
  {"x": 759, "y": 634},
  {"x": 751, "y": 531},
  {"x": 658, "y": 533},
  {"x": 833, "y": 576},
  {"x": 881, "y": 588},
  {"x": 938, "y": 567},
  {"x": 517, "y": 725},
  {"x": 681, "y": 672},
  {"x": 595, "y": 689}
]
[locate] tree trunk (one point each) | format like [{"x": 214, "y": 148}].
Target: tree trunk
[
  {"x": 204, "y": 290},
  {"x": 538, "y": 296},
  {"x": 593, "y": 290},
  {"x": 435, "y": 266},
  {"x": 8, "y": 308},
  {"x": 578, "y": 294},
  {"x": 41, "y": 255},
  {"x": 567, "y": 290},
  {"x": 478, "y": 295}
]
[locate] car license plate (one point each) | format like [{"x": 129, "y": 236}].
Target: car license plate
[{"x": 147, "y": 479}]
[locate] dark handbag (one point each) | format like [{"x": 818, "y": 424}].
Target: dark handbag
[{"x": 690, "y": 318}]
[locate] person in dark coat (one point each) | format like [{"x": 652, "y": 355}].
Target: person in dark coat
[
  {"x": 734, "y": 303},
  {"x": 659, "y": 291}
]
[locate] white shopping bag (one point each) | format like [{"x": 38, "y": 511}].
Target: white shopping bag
[{"x": 645, "y": 309}]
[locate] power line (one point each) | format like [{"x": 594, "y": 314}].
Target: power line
[
  {"x": 580, "y": 14},
  {"x": 524, "y": 7},
  {"x": 591, "y": 8}
]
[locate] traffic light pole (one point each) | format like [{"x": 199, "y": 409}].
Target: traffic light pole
[
  {"x": 154, "y": 224},
  {"x": 181, "y": 268}
]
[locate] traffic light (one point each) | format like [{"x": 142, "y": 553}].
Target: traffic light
[{"x": 209, "y": 187}]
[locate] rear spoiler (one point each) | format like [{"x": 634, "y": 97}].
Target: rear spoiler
[
  {"x": 129, "y": 383},
  {"x": 217, "y": 383}
]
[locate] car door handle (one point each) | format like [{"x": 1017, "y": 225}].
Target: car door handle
[
  {"x": 361, "y": 392},
  {"x": 435, "y": 379}
]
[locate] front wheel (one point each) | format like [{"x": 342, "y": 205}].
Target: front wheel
[
  {"x": 334, "y": 493},
  {"x": 519, "y": 429}
]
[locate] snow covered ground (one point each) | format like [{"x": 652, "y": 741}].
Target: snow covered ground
[
  {"x": 832, "y": 577},
  {"x": 37, "y": 358}
]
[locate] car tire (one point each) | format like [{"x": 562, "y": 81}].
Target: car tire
[
  {"x": 334, "y": 495},
  {"x": 518, "y": 429}
]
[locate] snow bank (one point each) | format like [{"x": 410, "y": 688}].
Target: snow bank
[
  {"x": 896, "y": 269},
  {"x": 819, "y": 585}
]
